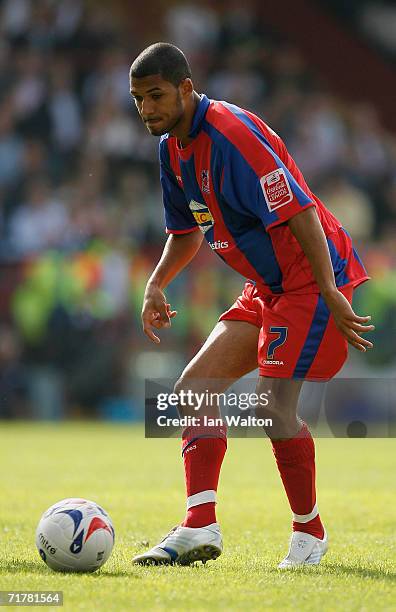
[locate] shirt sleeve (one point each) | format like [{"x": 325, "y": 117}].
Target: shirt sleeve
[
  {"x": 258, "y": 183},
  {"x": 178, "y": 216}
]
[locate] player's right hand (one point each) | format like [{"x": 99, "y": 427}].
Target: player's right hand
[
  {"x": 156, "y": 312},
  {"x": 348, "y": 322}
]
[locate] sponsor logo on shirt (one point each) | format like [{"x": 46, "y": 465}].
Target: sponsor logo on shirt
[
  {"x": 218, "y": 244},
  {"x": 202, "y": 215},
  {"x": 276, "y": 189}
]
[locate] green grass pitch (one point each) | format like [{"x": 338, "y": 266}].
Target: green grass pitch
[{"x": 140, "y": 483}]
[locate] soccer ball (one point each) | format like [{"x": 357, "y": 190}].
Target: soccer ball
[{"x": 75, "y": 535}]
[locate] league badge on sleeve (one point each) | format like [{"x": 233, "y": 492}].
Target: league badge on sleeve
[{"x": 276, "y": 189}]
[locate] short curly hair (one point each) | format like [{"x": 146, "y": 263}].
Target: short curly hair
[{"x": 164, "y": 59}]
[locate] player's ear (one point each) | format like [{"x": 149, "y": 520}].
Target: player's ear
[{"x": 186, "y": 87}]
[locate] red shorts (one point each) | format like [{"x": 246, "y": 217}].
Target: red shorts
[{"x": 298, "y": 336}]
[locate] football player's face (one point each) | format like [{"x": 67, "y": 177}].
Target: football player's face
[{"x": 159, "y": 102}]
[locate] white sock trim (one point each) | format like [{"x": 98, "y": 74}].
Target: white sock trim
[
  {"x": 201, "y": 498},
  {"x": 305, "y": 518}
]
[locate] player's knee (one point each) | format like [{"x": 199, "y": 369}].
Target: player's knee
[
  {"x": 187, "y": 389},
  {"x": 280, "y": 423},
  {"x": 268, "y": 410},
  {"x": 197, "y": 382},
  {"x": 198, "y": 396},
  {"x": 280, "y": 399},
  {"x": 179, "y": 388},
  {"x": 184, "y": 384},
  {"x": 276, "y": 410}
]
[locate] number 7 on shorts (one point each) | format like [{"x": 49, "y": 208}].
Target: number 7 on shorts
[{"x": 281, "y": 333}]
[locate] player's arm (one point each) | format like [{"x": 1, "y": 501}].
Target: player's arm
[
  {"x": 308, "y": 230},
  {"x": 181, "y": 246},
  {"x": 179, "y": 250}
]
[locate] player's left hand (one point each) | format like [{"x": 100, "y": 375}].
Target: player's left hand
[{"x": 350, "y": 324}]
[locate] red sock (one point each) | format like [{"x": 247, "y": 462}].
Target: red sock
[
  {"x": 202, "y": 463},
  {"x": 295, "y": 459}
]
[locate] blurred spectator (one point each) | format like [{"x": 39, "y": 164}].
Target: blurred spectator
[
  {"x": 64, "y": 109},
  {"x": 389, "y": 221},
  {"x": 41, "y": 34},
  {"x": 67, "y": 19},
  {"x": 239, "y": 80},
  {"x": 111, "y": 131},
  {"x": 319, "y": 140},
  {"x": 13, "y": 376},
  {"x": 35, "y": 158},
  {"x": 110, "y": 79},
  {"x": 11, "y": 146},
  {"x": 378, "y": 20},
  {"x": 16, "y": 17},
  {"x": 192, "y": 27},
  {"x": 368, "y": 146},
  {"x": 39, "y": 223},
  {"x": 139, "y": 200},
  {"x": 350, "y": 205},
  {"x": 30, "y": 91}
]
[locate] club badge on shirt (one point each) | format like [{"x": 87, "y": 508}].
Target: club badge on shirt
[
  {"x": 276, "y": 189},
  {"x": 205, "y": 181}
]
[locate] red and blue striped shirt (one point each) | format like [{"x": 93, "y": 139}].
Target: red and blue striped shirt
[{"x": 237, "y": 183}]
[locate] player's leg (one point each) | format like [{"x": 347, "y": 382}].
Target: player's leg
[
  {"x": 229, "y": 353},
  {"x": 294, "y": 452},
  {"x": 299, "y": 341},
  {"x": 282, "y": 404}
]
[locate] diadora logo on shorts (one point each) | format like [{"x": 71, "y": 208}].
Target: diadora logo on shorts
[
  {"x": 202, "y": 215},
  {"x": 276, "y": 189},
  {"x": 273, "y": 362}
]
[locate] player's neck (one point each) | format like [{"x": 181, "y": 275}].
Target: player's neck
[{"x": 183, "y": 128}]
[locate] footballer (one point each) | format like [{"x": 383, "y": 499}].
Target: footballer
[{"x": 227, "y": 177}]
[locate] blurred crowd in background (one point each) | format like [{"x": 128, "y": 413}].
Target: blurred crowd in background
[{"x": 81, "y": 219}]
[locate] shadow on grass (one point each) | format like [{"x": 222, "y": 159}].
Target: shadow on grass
[
  {"x": 119, "y": 574},
  {"x": 18, "y": 566},
  {"x": 362, "y": 572},
  {"x": 340, "y": 569},
  {"x": 15, "y": 566}
]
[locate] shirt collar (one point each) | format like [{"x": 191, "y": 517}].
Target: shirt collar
[{"x": 199, "y": 116}]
